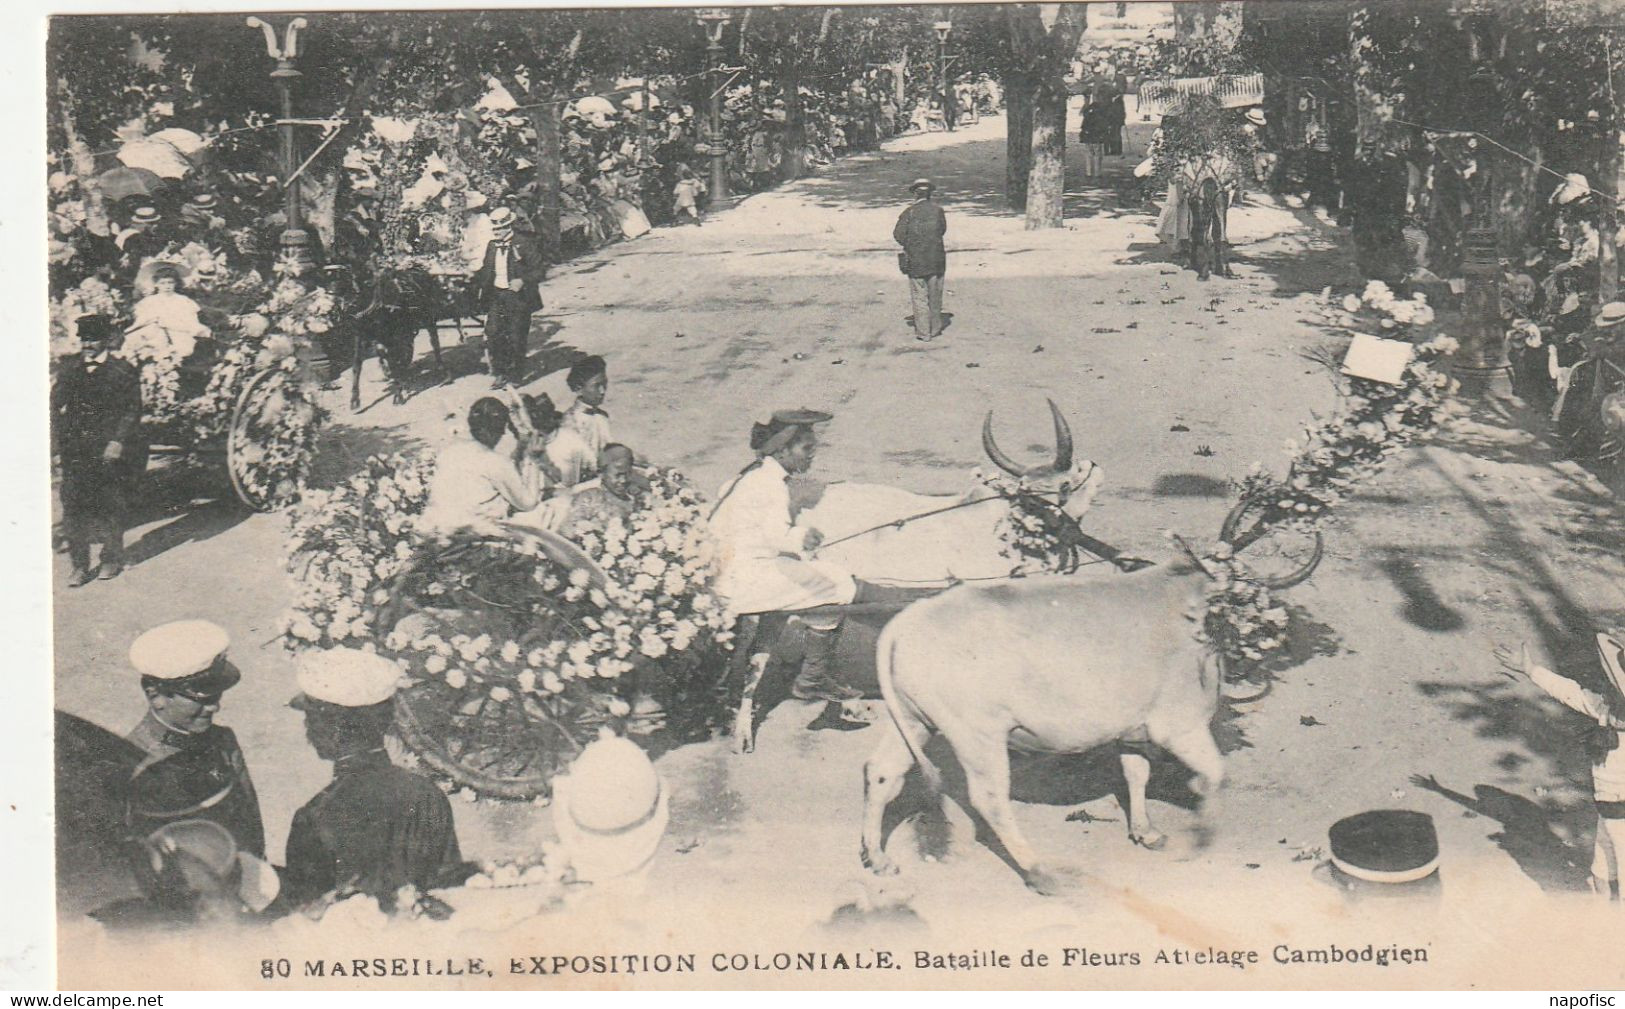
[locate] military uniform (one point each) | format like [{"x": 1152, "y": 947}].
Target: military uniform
[
  {"x": 374, "y": 829},
  {"x": 186, "y": 776}
]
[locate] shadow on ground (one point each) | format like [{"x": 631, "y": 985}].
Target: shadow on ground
[{"x": 1526, "y": 834}]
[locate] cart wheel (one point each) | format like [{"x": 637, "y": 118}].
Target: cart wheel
[
  {"x": 485, "y": 746},
  {"x": 237, "y": 436},
  {"x": 1280, "y": 553}
]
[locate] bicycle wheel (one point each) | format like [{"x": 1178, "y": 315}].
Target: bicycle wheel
[{"x": 1278, "y": 553}]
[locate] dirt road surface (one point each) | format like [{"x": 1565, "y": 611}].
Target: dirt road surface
[{"x": 1173, "y": 387}]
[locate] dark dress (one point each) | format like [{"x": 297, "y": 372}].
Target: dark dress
[
  {"x": 200, "y": 776},
  {"x": 373, "y": 830}
]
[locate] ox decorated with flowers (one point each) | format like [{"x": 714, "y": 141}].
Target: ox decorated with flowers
[{"x": 1005, "y": 522}]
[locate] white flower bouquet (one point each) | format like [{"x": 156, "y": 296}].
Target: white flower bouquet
[{"x": 663, "y": 563}]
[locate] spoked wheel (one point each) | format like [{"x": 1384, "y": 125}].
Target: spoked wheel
[
  {"x": 1280, "y": 554},
  {"x": 239, "y": 439},
  {"x": 483, "y": 730},
  {"x": 492, "y": 748}
]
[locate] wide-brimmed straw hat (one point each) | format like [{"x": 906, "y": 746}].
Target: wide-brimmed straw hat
[
  {"x": 1610, "y": 315},
  {"x": 1575, "y": 187},
  {"x": 1256, "y": 117}
]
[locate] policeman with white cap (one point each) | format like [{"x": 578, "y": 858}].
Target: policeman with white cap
[
  {"x": 193, "y": 768},
  {"x": 376, "y": 827}
]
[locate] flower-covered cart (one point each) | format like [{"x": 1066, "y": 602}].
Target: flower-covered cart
[
  {"x": 223, "y": 383},
  {"x": 518, "y": 644}
]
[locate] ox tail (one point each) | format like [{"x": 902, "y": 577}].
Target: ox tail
[{"x": 899, "y": 706}]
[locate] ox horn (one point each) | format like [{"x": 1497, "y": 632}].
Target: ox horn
[
  {"x": 992, "y": 449},
  {"x": 1063, "y": 439}
]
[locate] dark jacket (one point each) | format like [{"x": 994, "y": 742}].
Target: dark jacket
[
  {"x": 919, "y": 231},
  {"x": 93, "y": 407},
  {"x": 373, "y": 830},
  {"x": 192, "y": 777},
  {"x": 526, "y": 263}
]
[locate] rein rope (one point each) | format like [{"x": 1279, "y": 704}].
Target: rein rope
[{"x": 1062, "y": 525}]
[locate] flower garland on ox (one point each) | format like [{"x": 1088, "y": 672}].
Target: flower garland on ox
[
  {"x": 515, "y": 659},
  {"x": 1239, "y": 616}
]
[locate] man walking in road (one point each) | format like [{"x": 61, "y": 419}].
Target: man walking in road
[
  {"x": 508, "y": 283},
  {"x": 923, "y": 260}
]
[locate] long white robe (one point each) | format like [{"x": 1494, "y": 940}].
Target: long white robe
[{"x": 760, "y": 548}]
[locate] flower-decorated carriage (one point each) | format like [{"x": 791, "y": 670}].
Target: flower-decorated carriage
[
  {"x": 222, "y": 380},
  {"x": 519, "y": 643}
]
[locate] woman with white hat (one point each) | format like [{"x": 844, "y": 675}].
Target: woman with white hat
[{"x": 1581, "y": 426}]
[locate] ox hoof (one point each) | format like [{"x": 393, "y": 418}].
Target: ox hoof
[
  {"x": 880, "y": 865},
  {"x": 1041, "y": 882},
  {"x": 1151, "y": 840}
]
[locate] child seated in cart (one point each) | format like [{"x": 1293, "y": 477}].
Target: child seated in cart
[{"x": 166, "y": 326}]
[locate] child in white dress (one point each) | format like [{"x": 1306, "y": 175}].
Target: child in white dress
[{"x": 166, "y": 326}]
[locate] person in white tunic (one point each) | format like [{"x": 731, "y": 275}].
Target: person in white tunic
[
  {"x": 584, "y": 431},
  {"x": 1607, "y": 755},
  {"x": 476, "y": 486},
  {"x": 764, "y": 554}
]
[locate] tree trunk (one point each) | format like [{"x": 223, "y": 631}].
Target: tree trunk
[
  {"x": 544, "y": 118},
  {"x": 1018, "y": 137},
  {"x": 1044, "y": 38},
  {"x": 1046, "y": 178},
  {"x": 84, "y": 166},
  {"x": 1608, "y": 220},
  {"x": 792, "y": 165},
  {"x": 899, "y": 80}
]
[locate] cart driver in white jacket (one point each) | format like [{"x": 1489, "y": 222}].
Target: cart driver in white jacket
[{"x": 763, "y": 552}]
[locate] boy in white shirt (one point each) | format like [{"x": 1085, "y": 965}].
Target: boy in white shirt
[{"x": 1607, "y": 755}]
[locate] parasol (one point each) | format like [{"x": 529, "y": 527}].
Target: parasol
[
  {"x": 188, "y": 143},
  {"x": 120, "y": 183},
  {"x": 634, "y": 101},
  {"x": 157, "y": 156},
  {"x": 593, "y": 107}
]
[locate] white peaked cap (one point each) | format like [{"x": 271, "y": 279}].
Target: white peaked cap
[
  {"x": 347, "y": 677},
  {"x": 180, "y": 649}
]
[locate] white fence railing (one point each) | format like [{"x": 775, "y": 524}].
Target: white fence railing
[{"x": 1236, "y": 92}]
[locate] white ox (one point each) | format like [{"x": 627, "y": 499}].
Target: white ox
[
  {"x": 950, "y": 536},
  {"x": 1049, "y": 664}
]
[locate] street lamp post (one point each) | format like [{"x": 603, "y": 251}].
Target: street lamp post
[
  {"x": 949, "y": 102},
  {"x": 295, "y": 240},
  {"x": 715, "y": 21}
]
